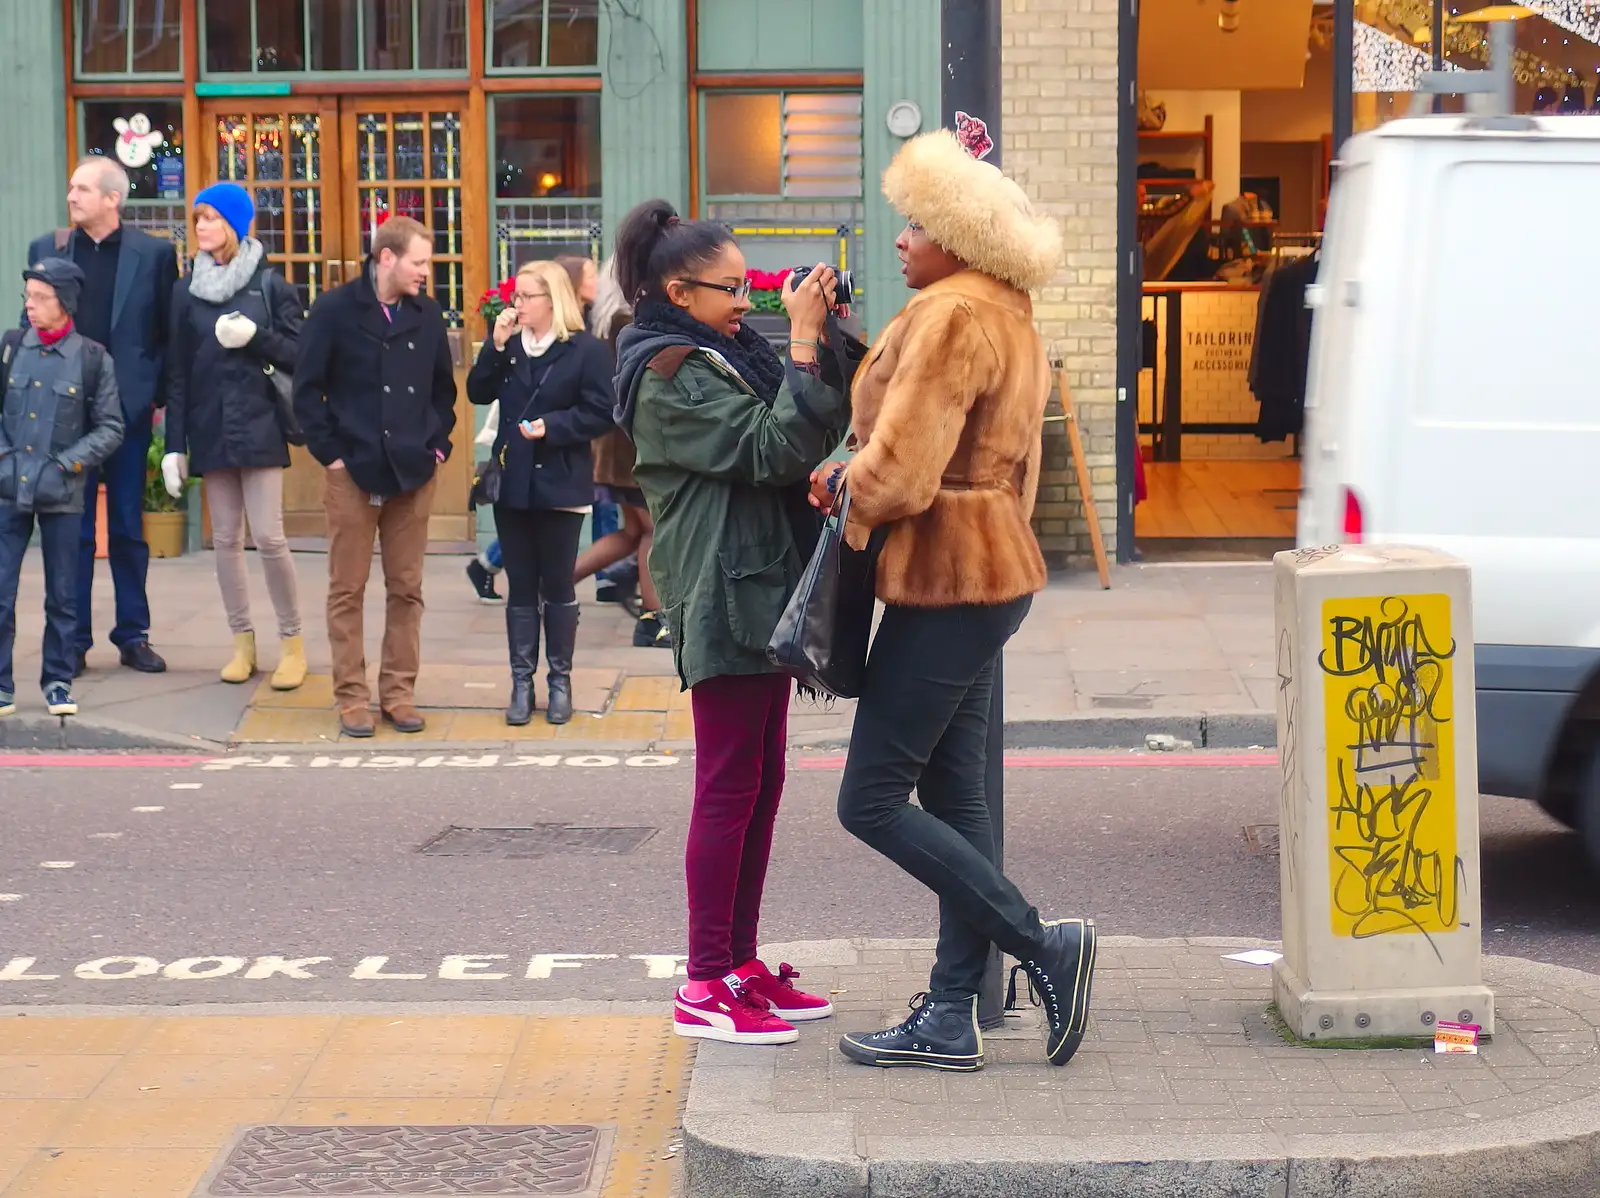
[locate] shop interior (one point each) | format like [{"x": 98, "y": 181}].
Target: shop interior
[
  {"x": 1234, "y": 167},
  {"x": 1235, "y": 141}
]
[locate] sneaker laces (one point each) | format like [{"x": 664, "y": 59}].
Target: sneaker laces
[
  {"x": 1011, "y": 989},
  {"x": 786, "y": 975},
  {"x": 903, "y": 1028},
  {"x": 742, "y": 991}
]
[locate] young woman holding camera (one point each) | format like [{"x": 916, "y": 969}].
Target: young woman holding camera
[{"x": 726, "y": 434}]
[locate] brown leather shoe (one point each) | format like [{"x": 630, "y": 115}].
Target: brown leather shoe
[
  {"x": 404, "y": 717},
  {"x": 356, "y": 721}
]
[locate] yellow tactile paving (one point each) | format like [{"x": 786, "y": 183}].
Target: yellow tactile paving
[
  {"x": 647, "y": 693},
  {"x": 145, "y": 1112},
  {"x": 464, "y": 704},
  {"x": 680, "y": 725}
]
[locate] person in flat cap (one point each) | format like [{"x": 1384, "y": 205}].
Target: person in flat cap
[{"x": 61, "y": 418}]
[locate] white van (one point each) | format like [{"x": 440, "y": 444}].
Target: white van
[{"x": 1453, "y": 401}]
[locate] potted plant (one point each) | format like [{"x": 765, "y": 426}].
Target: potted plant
[
  {"x": 165, "y": 521},
  {"x": 495, "y": 301}
]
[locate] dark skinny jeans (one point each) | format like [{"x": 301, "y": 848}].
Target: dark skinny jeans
[{"x": 923, "y": 723}]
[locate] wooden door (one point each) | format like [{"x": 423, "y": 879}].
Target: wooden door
[
  {"x": 415, "y": 156},
  {"x": 285, "y": 152},
  {"x": 325, "y": 173}
]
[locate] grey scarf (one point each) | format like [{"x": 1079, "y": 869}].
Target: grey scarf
[{"x": 218, "y": 283}]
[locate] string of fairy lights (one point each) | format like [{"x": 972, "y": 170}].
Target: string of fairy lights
[{"x": 1392, "y": 61}]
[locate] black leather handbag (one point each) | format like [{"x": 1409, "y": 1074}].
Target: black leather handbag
[
  {"x": 821, "y": 640},
  {"x": 282, "y": 382}
]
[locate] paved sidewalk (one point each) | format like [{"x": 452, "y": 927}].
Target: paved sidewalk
[
  {"x": 1180, "y": 650},
  {"x": 342, "y": 1100},
  {"x": 1183, "y": 1087}
]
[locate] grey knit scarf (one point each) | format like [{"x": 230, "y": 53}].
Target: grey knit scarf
[{"x": 218, "y": 283}]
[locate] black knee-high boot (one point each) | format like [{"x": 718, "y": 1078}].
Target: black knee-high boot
[
  {"x": 522, "y": 638},
  {"x": 561, "y": 639}
]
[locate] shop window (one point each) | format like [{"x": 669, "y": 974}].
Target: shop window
[
  {"x": 793, "y": 145},
  {"x": 145, "y": 137},
  {"x": 129, "y": 37},
  {"x": 535, "y": 34},
  {"x": 255, "y": 36},
  {"x": 546, "y": 178},
  {"x": 1556, "y": 59}
]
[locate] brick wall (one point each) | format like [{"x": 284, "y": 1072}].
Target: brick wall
[{"x": 1059, "y": 121}]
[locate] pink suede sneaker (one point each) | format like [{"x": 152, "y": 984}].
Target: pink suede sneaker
[
  {"x": 779, "y": 990},
  {"x": 733, "y": 1013}
]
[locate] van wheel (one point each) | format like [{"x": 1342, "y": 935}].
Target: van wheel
[
  {"x": 1563, "y": 808},
  {"x": 1587, "y": 809}
]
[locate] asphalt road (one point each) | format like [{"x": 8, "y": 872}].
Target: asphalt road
[{"x": 185, "y": 885}]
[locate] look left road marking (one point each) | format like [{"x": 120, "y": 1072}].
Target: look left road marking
[{"x": 452, "y": 967}]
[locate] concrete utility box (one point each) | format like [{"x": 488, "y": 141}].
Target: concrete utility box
[{"x": 1378, "y": 809}]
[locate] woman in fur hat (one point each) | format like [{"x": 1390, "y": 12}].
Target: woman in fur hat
[{"x": 948, "y": 409}]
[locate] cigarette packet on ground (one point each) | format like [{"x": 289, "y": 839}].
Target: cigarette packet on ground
[{"x": 1456, "y": 1037}]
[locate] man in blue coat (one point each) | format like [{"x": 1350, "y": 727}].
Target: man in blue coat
[{"x": 127, "y": 291}]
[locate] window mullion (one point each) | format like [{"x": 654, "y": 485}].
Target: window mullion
[
  {"x": 255, "y": 37},
  {"x": 544, "y": 35},
  {"x": 361, "y": 35},
  {"x": 416, "y": 35}
]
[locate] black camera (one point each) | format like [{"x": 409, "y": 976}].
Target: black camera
[{"x": 843, "y": 294}]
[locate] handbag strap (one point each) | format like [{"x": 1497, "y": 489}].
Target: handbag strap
[{"x": 526, "y": 408}]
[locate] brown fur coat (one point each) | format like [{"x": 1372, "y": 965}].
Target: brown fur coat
[{"x": 948, "y": 408}]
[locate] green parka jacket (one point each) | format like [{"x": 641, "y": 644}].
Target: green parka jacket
[{"x": 718, "y": 466}]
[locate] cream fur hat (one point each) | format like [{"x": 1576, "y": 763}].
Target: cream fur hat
[{"x": 970, "y": 209}]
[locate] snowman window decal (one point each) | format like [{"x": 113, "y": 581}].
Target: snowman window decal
[{"x": 136, "y": 141}]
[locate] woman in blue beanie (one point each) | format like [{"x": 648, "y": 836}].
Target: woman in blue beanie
[{"x": 235, "y": 322}]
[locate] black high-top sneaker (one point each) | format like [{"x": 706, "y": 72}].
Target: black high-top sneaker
[
  {"x": 939, "y": 1035},
  {"x": 1061, "y": 974}
]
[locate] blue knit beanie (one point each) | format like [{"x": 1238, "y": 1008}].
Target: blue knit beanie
[{"x": 232, "y": 203}]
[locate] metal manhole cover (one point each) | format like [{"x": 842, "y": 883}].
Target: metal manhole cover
[
  {"x": 1261, "y": 839},
  {"x": 538, "y": 840},
  {"x": 363, "y": 1162}
]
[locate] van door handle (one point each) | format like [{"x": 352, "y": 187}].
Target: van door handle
[
  {"x": 1327, "y": 452},
  {"x": 1351, "y": 294}
]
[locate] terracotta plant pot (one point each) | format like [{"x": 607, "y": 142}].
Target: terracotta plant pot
[{"x": 164, "y": 531}]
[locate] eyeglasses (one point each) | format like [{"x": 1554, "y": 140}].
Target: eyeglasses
[
  {"x": 740, "y": 291},
  {"x": 524, "y": 296}
]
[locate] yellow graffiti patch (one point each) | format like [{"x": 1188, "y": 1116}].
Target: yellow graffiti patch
[{"x": 1387, "y": 673}]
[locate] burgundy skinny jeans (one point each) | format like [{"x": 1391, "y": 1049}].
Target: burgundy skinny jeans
[{"x": 741, "y": 733}]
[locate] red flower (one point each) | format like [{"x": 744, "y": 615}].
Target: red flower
[{"x": 765, "y": 280}]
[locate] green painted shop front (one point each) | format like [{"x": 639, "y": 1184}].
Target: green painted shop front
[{"x": 514, "y": 129}]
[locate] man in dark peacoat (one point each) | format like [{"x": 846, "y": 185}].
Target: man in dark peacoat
[
  {"x": 375, "y": 393},
  {"x": 127, "y": 292}
]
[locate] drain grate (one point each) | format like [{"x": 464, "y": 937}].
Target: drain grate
[
  {"x": 300, "y": 1162},
  {"x": 1261, "y": 839},
  {"x": 536, "y": 840}
]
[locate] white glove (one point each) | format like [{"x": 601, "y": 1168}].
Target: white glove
[
  {"x": 491, "y": 426},
  {"x": 235, "y": 330},
  {"x": 174, "y": 469}
]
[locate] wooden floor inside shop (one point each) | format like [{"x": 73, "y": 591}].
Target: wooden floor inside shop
[{"x": 1211, "y": 498}]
